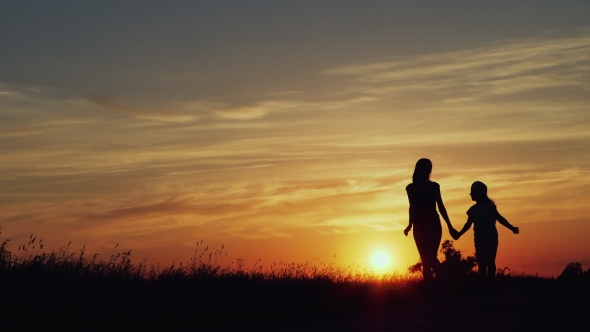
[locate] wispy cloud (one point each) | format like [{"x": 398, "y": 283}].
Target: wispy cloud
[
  {"x": 482, "y": 66},
  {"x": 166, "y": 115},
  {"x": 531, "y": 85},
  {"x": 34, "y": 130},
  {"x": 262, "y": 109}
]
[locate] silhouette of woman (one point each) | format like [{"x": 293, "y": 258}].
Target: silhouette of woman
[{"x": 424, "y": 195}]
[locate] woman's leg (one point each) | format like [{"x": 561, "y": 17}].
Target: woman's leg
[
  {"x": 435, "y": 245},
  {"x": 422, "y": 241},
  {"x": 428, "y": 244}
]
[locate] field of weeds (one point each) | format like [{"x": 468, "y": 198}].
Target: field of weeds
[
  {"x": 58, "y": 285},
  {"x": 65, "y": 280}
]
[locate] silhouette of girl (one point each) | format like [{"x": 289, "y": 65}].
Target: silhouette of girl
[
  {"x": 424, "y": 195},
  {"x": 483, "y": 215}
]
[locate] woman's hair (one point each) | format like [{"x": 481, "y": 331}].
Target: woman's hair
[
  {"x": 479, "y": 192},
  {"x": 422, "y": 170}
]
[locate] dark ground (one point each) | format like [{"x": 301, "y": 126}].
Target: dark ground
[
  {"x": 558, "y": 308},
  {"x": 241, "y": 304}
]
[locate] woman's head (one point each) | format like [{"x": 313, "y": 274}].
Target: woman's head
[
  {"x": 422, "y": 170},
  {"x": 479, "y": 192}
]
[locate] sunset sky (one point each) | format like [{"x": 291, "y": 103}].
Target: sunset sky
[{"x": 289, "y": 130}]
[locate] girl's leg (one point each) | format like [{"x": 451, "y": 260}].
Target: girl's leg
[
  {"x": 482, "y": 257},
  {"x": 482, "y": 268},
  {"x": 485, "y": 251},
  {"x": 493, "y": 250}
]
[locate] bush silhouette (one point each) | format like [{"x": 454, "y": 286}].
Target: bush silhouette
[
  {"x": 454, "y": 265},
  {"x": 573, "y": 272}
]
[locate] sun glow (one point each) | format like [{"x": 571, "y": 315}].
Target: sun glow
[{"x": 381, "y": 260}]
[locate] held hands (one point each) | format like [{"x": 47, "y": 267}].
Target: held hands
[
  {"x": 454, "y": 233},
  {"x": 407, "y": 230}
]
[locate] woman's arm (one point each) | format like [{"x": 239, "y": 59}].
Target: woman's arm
[
  {"x": 505, "y": 223},
  {"x": 443, "y": 212},
  {"x": 410, "y": 214},
  {"x": 409, "y": 228},
  {"x": 442, "y": 209}
]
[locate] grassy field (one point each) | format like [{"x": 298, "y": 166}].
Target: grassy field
[{"x": 65, "y": 287}]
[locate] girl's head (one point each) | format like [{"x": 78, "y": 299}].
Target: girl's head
[
  {"x": 479, "y": 192},
  {"x": 422, "y": 170}
]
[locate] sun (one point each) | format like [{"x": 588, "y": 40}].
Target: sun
[{"x": 380, "y": 260}]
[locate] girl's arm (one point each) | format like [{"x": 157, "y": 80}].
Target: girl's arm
[
  {"x": 467, "y": 226},
  {"x": 505, "y": 223}
]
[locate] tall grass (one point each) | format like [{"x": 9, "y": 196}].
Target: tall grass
[
  {"x": 205, "y": 264},
  {"x": 204, "y": 286},
  {"x": 69, "y": 282}
]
